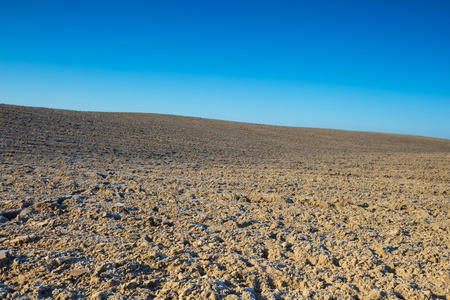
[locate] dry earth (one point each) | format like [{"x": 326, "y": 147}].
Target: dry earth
[{"x": 144, "y": 206}]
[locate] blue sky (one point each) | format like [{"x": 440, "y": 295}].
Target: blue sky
[{"x": 358, "y": 65}]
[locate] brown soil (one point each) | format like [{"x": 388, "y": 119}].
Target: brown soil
[{"x": 144, "y": 206}]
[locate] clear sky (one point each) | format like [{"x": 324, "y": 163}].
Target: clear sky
[{"x": 361, "y": 65}]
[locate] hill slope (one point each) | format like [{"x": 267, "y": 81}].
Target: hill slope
[{"x": 155, "y": 206}]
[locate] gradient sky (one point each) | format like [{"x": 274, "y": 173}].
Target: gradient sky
[{"x": 358, "y": 65}]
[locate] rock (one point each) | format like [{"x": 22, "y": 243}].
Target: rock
[
  {"x": 79, "y": 271},
  {"x": 4, "y": 257},
  {"x": 307, "y": 293},
  {"x": 286, "y": 245},
  {"x": 396, "y": 231}
]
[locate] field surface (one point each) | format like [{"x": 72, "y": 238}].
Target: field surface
[{"x": 145, "y": 206}]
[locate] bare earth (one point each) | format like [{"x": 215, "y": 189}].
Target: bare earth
[{"x": 144, "y": 206}]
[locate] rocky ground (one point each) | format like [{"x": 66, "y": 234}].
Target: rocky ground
[{"x": 144, "y": 206}]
